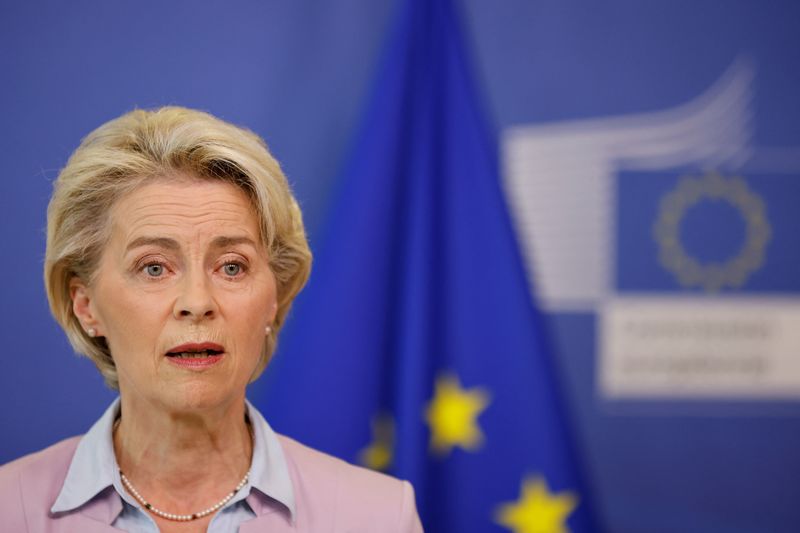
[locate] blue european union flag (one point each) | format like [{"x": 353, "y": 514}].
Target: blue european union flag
[{"x": 416, "y": 349}]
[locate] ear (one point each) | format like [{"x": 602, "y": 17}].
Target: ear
[{"x": 81, "y": 296}]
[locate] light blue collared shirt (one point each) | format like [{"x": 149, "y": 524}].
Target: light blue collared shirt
[{"x": 94, "y": 470}]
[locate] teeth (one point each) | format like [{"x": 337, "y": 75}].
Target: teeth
[{"x": 193, "y": 355}]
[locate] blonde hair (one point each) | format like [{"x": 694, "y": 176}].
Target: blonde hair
[{"x": 126, "y": 152}]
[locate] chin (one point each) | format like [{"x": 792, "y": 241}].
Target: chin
[{"x": 203, "y": 396}]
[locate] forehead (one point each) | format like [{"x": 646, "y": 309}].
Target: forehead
[{"x": 184, "y": 206}]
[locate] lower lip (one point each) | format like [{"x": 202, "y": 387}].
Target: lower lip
[{"x": 195, "y": 363}]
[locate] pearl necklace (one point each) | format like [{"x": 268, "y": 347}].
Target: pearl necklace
[{"x": 182, "y": 517}]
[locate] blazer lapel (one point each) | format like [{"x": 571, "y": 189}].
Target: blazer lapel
[
  {"x": 272, "y": 522},
  {"x": 79, "y": 522}
]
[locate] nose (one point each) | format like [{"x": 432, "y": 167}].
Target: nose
[{"x": 195, "y": 299}]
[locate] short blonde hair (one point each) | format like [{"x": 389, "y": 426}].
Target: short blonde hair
[{"x": 139, "y": 146}]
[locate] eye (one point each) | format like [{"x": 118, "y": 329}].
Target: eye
[
  {"x": 154, "y": 270},
  {"x": 232, "y": 269}
]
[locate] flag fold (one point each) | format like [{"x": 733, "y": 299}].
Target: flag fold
[{"x": 416, "y": 348}]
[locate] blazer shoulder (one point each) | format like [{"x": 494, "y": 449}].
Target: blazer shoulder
[
  {"x": 359, "y": 498},
  {"x": 45, "y": 461},
  {"x": 30, "y": 484}
]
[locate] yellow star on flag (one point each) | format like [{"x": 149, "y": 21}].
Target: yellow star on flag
[
  {"x": 537, "y": 510},
  {"x": 452, "y": 415},
  {"x": 380, "y": 452}
]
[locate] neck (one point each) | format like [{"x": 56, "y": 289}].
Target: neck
[{"x": 182, "y": 459}]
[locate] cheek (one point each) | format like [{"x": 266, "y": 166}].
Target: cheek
[
  {"x": 252, "y": 315},
  {"x": 257, "y": 304},
  {"x": 250, "y": 326},
  {"x": 131, "y": 319}
]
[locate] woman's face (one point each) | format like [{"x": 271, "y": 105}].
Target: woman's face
[{"x": 183, "y": 294}]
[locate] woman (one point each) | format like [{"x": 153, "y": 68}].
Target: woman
[{"x": 174, "y": 251}]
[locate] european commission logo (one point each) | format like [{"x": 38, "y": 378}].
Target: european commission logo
[
  {"x": 678, "y": 233},
  {"x": 693, "y": 193}
]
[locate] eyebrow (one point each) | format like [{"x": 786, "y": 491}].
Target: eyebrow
[
  {"x": 163, "y": 242},
  {"x": 222, "y": 241}
]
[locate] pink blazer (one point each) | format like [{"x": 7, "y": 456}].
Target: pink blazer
[{"x": 331, "y": 496}]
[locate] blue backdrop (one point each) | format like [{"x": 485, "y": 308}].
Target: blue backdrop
[{"x": 299, "y": 74}]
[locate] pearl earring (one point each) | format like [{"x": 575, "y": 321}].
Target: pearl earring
[
  {"x": 92, "y": 332},
  {"x": 268, "y": 330}
]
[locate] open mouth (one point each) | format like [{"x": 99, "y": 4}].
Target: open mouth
[
  {"x": 203, "y": 350},
  {"x": 194, "y": 355}
]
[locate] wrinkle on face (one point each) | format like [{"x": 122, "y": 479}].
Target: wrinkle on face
[
  {"x": 194, "y": 226},
  {"x": 156, "y": 212}
]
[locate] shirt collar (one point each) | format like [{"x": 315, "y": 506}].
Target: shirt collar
[
  {"x": 269, "y": 472},
  {"x": 94, "y": 465}
]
